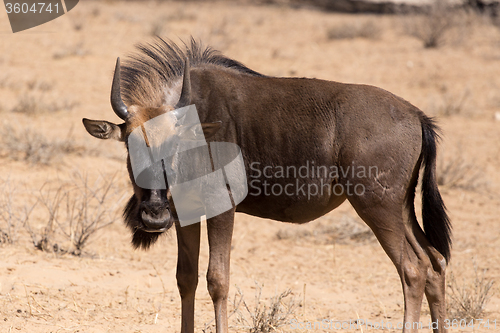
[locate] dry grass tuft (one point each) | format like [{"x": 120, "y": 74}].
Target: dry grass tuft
[
  {"x": 432, "y": 26},
  {"x": 451, "y": 104},
  {"x": 40, "y": 85},
  {"x": 43, "y": 240},
  {"x": 31, "y": 104},
  {"x": 89, "y": 207},
  {"x": 33, "y": 98},
  {"x": 36, "y": 96},
  {"x": 75, "y": 213},
  {"x": 368, "y": 29},
  {"x": 456, "y": 172},
  {"x": 181, "y": 14},
  {"x": 260, "y": 318},
  {"x": 265, "y": 318},
  {"x": 468, "y": 300},
  {"x": 75, "y": 50},
  {"x": 158, "y": 27},
  {"x": 4, "y": 81},
  {"x": 14, "y": 213},
  {"x": 33, "y": 147}
]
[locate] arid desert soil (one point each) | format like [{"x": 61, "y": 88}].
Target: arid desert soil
[{"x": 54, "y": 75}]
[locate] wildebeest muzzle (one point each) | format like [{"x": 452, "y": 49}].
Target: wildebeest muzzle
[{"x": 155, "y": 211}]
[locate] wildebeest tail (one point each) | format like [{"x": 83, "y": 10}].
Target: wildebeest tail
[{"x": 437, "y": 225}]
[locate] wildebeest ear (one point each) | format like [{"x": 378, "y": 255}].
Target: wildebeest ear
[
  {"x": 209, "y": 129},
  {"x": 102, "y": 129}
]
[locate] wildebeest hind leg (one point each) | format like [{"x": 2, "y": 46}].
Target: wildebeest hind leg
[
  {"x": 435, "y": 288},
  {"x": 435, "y": 277},
  {"x": 396, "y": 233}
]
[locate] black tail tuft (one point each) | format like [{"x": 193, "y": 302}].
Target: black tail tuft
[{"x": 437, "y": 225}]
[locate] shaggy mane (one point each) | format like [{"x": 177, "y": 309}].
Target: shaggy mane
[{"x": 145, "y": 76}]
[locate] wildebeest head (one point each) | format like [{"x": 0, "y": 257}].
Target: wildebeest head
[{"x": 149, "y": 212}]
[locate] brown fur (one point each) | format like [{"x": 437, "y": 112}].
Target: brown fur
[{"x": 291, "y": 122}]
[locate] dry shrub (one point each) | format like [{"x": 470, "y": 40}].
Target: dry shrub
[
  {"x": 158, "y": 27},
  {"x": 31, "y": 146},
  {"x": 260, "y": 318},
  {"x": 75, "y": 50},
  {"x": 451, "y": 104},
  {"x": 160, "y": 24},
  {"x": 366, "y": 29},
  {"x": 5, "y": 81},
  {"x": 28, "y": 104},
  {"x": 40, "y": 85},
  {"x": 34, "y": 98},
  {"x": 95, "y": 12},
  {"x": 180, "y": 14},
  {"x": 78, "y": 23},
  {"x": 432, "y": 26},
  {"x": 31, "y": 104},
  {"x": 265, "y": 318},
  {"x": 14, "y": 213},
  {"x": 457, "y": 172},
  {"x": 76, "y": 211},
  {"x": 44, "y": 238},
  {"x": 468, "y": 299}
]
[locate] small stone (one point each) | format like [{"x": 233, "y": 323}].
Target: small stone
[{"x": 497, "y": 116}]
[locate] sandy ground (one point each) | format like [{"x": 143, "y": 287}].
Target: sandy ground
[{"x": 334, "y": 267}]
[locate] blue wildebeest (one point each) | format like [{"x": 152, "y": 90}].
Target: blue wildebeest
[{"x": 288, "y": 122}]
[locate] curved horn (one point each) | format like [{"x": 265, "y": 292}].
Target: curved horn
[
  {"x": 116, "y": 98},
  {"x": 185, "y": 98}
]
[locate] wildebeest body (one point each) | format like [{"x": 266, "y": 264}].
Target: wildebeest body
[
  {"x": 292, "y": 124},
  {"x": 291, "y": 121}
]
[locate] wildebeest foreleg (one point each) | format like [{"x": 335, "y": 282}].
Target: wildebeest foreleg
[
  {"x": 188, "y": 243},
  {"x": 220, "y": 232}
]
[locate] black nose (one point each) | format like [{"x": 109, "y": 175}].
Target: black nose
[
  {"x": 155, "y": 217},
  {"x": 152, "y": 209},
  {"x": 155, "y": 212}
]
